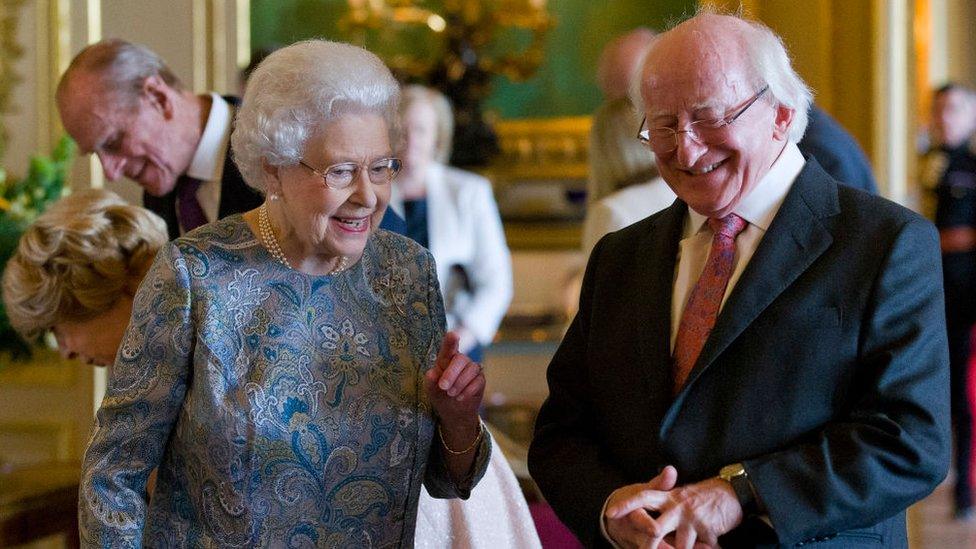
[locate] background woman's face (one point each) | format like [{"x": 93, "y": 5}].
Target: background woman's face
[
  {"x": 953, "y": 117},
  {"x": 97, "y": 339},
  {"x": 420, "y": 131},
  {"x": 337, "y": 222}
]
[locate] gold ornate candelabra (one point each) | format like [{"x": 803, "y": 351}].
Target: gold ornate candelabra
[
  {"x": 456, "y": 28},
  {"x": 456, "y": 46}
]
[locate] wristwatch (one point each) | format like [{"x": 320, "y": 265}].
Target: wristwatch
[{"x": 736, "y": 475}]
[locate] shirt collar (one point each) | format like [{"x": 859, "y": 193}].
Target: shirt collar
[
  {"x": 208, "y": 159},
  {"x": 760, "y": 206}
]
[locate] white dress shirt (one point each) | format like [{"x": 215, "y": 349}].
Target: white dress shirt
[
  {"x": 207, "y": 164},
  {"x": 759, "y": 208}
]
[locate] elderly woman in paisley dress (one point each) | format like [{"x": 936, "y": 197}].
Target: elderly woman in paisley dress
[{"x": 286, "y": 370}]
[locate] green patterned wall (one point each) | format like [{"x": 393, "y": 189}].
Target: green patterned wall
[{"x": 563, "y": 86}]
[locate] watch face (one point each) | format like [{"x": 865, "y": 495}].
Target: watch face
[{"x": 730, "y": 471}]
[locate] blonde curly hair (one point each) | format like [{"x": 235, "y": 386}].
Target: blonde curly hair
[{"x": 77, "y": 259}]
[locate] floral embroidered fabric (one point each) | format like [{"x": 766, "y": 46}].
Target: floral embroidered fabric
[{"x": 281, "y": 409}]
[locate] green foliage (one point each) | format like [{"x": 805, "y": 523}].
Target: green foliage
[{"x": 21, "y": 202}]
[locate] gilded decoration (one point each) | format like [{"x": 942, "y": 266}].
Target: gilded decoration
[
  {"x": 458, "y": 47},
  {"x": 540, "y": 180},
  {"x": 10, "y": 51}
]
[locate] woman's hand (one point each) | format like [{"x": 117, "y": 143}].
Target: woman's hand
[{"x": 455, "y": 386}]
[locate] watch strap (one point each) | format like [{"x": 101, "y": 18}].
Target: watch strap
[{"x": 746, "y": 494}]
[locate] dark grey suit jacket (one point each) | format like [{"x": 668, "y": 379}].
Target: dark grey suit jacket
[{"x": 826, "y": 374}]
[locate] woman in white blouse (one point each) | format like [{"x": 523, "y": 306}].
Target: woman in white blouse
[
  {"x": 453, "y": 213},
  {"x": 624, "y": 186}
]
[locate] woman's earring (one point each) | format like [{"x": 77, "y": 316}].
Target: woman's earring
[{"x": 273, "y": 196}]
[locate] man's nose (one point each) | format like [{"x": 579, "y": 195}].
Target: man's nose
[
  {"x": 112, "y": 165},
  {"x": 688, "y": 149}
]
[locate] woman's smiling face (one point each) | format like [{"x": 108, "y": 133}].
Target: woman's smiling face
[{"x": 336, "y": 222}]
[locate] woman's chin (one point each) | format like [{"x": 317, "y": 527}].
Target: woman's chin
[{"x": 349, "y": 246}]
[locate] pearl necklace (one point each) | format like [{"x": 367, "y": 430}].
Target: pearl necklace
[{"x": 271, "y": 242}]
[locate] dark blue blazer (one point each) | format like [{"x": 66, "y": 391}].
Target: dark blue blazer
[
  {"x": 236, "y": 197},
  {"x": 826, "y": 374},
  {"x": 836, "y": 151}
]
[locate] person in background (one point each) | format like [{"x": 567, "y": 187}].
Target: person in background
[
  {"x": 837, "y": 151},
  {"x": 619, "y": 62},
  {"x": 286, "y": 371},
  {"x": 453, "y": 213},
  {"x": 121, "y": 102},
  {"x": 76, "y": 270},
  {"x": 75, "y": 273},
  {"x": 948, "y": 172},
  {"x": 623, "y": 186},
  {"x": 766, "y": 277}
]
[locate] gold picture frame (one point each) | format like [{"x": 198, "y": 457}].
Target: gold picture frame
[{"x": 540, "y": 180}]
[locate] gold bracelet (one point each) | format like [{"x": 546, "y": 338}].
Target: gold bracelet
[{"x": 477, "y": 440}]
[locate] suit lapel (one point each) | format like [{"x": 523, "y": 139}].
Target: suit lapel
[
  {"x": 795, "y": 239},
  {"x": 657, "y": 254},
  {"x": 165, "y": 207}
]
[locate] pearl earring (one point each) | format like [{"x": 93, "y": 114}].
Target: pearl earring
[{"x": 273, "y": 196}]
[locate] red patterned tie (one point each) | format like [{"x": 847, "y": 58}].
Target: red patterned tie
[{"x": 706, "y": 297}]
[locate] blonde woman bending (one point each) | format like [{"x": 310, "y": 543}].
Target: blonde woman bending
[{"x": 76, "y": 271}]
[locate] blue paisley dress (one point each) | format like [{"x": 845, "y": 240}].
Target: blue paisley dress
[{"x": 281, "y": 409}]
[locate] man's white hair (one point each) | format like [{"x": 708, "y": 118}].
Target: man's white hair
[
  {"x": 123, "y": 68},
  {"x": 768, "y": 62},
  {"x": 299, "y": 89}
]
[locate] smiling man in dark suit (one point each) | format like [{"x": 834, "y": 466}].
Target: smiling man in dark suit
[
  {"x": 120, "y": 101},
  {"x": 763, "y": 363}
]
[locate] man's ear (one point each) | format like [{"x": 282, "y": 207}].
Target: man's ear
[
  {"x": 159, "y": 95},
  {"x": 783, "y": 121}
]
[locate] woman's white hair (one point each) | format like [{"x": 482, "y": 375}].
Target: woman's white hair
[
  {"x": 769, "y": 64},
  {"x": 298, "y": 90}
]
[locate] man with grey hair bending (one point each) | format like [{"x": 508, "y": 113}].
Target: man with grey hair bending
[
  {"x": 122, "y": 103},
  {"x": 763, "y": 363}
]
